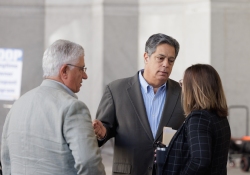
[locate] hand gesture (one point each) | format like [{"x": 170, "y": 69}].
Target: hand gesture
[{"x": 99, "y": 129}]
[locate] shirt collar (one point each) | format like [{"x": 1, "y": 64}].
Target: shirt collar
[
  {"x": 144, "y": 83},
  {"x": 67, "y": 89}
]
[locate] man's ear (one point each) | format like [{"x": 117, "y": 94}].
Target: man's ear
[
  {"x": 64, "y": 71},
  {"x": 145, "y": 57}
]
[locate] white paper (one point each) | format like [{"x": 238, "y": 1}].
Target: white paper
[{"x": 168, "y": 133}]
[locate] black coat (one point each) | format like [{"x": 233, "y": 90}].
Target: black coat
[{"x": 200, "y": 146}]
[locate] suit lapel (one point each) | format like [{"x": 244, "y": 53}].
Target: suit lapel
[
  {"x": 170, "y": 102},
  {"x": 135, "y": 96}
]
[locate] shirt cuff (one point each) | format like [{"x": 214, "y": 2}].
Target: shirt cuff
[{"x": 99, "y": 139}]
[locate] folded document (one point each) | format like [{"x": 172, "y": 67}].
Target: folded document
[{"x": 168, "y": 133}]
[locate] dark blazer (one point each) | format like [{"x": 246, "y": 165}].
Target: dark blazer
[
  {"x": 123, "y": 113},
  {"x": 200, "y": 146}
]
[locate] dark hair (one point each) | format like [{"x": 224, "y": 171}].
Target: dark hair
[
  {"x": 159, "y": 38},
  {"x": 202, "y": 89}
]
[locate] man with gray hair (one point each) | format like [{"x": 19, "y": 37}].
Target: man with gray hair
[
  {"x": 48, "y": 130},
  {"x": 134, "y": 110}
]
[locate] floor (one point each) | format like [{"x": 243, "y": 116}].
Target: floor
[{"x": 107, "y": 155}]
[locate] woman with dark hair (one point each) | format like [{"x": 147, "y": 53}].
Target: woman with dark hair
[{"x": 201, "y": 144}]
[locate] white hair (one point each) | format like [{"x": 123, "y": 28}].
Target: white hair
[{"x": 59, "y": 53}]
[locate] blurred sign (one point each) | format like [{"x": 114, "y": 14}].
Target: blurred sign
[{"x": 11, "y": 63}]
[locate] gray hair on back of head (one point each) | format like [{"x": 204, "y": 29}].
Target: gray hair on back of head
[
  {"x": 59, "y": 53},
  {"x": 159, "y": 38}
]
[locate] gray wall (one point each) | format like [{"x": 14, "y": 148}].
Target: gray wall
[
  {"x": 230, "y": 55},
  {"x": 22, "y": 27},
  {"x": 114, "y": 32},
  {"x": 107, "y": 29}
]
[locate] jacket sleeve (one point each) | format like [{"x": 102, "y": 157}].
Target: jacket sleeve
[
  {"x": 199, "y": 138},
  {"x": 106, "y": 114},
  {"x": 80, "y": 137}
]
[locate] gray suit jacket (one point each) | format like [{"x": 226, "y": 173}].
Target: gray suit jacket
[
  {"x": 48, "y": 131},
  {"x": 123, "y": 113}
]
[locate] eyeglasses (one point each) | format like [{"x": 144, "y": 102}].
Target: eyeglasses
[
  {"x": 84, "y": 69},
  {"x": 181, "y": 82}
]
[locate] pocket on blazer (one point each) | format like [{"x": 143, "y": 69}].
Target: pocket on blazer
[{"x": 122, "y": 168}]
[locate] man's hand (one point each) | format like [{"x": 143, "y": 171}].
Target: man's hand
[{"x": 100, "y": 130}]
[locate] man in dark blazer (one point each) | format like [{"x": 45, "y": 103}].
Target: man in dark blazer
[{"x": 134, "y": 110}]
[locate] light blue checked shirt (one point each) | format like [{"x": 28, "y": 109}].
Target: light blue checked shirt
[{"x": 153, "y": 102}]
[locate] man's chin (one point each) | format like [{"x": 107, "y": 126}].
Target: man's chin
[
  {"x": 161, "y": 81},
  {"x": 163, "y": 78}
]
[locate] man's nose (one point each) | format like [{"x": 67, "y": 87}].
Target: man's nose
[
  {"x": 84, "y": 75},
  {"x": 165, "y": 62}
]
